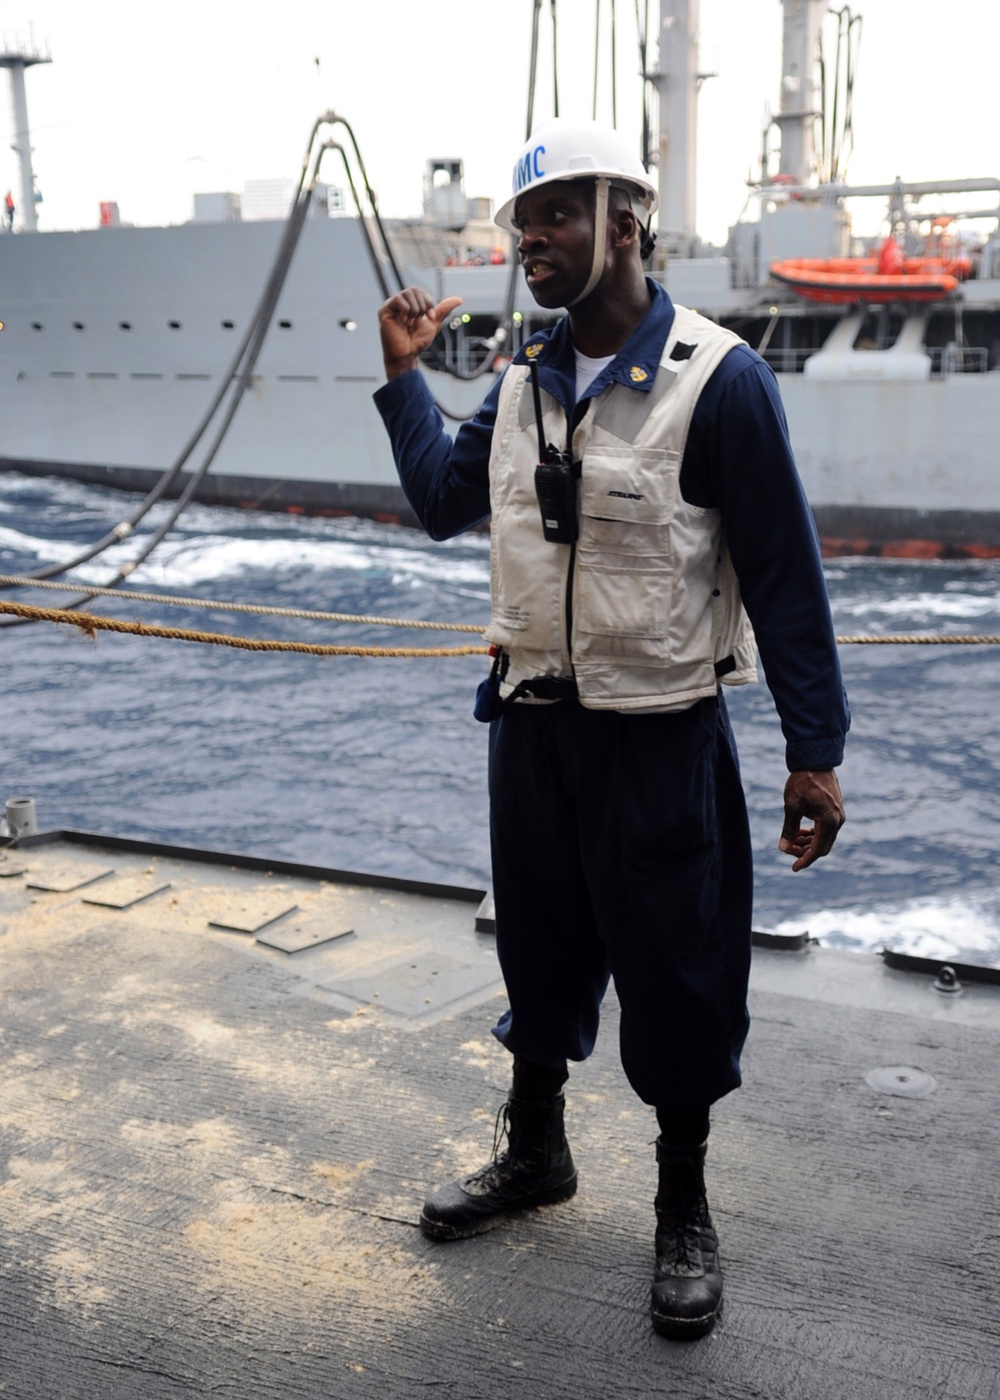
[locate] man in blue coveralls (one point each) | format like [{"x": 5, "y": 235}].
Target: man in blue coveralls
[{"x": 645, "y": 510}]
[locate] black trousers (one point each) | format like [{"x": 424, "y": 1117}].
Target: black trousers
[{"x": 621, "y": 848}]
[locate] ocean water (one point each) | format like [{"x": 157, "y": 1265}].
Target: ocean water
[{"x": 377, "y": 764}]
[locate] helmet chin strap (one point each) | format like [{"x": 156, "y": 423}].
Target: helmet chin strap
[{"x": 600, "y": 239}]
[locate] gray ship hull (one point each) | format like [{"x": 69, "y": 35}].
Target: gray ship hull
[{"x": 116, "y": 340}]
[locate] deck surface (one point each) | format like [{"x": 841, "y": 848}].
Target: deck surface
[{"x": 213, "y": 1154}]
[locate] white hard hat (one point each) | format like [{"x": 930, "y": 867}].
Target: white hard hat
[{"x": 578, "y": 150}]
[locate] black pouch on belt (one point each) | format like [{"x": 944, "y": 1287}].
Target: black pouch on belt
[{"x": 488, "y": 704}]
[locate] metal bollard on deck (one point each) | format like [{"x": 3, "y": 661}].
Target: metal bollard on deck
[{"x": 22, "y": 817}]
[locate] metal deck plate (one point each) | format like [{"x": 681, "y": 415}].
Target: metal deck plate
[
  {"x": 420, "y": 989},
  {"x": 64, "y": 879},
  {"x": 252, "y": 913},
  {"x": 298, "y": 935},
  {"x": 126, "y": 891}
]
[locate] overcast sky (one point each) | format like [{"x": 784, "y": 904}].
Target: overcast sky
[{"x": 147, "y": 110}]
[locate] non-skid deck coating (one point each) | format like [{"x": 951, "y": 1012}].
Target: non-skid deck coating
[{"x": 212, "y": 1166}]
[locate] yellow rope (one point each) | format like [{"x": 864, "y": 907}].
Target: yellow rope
[
  {"x": 91, "y": 623},
  {"x": 258, "y": 609}
]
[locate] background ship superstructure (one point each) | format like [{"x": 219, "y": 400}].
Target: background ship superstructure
[{"x": 116, "y": 338}]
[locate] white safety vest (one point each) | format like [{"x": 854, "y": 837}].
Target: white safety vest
[{"x": 644, "y": 610}]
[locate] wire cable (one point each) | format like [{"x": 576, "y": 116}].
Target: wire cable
[
  {"x": 555, "y": 59},
  {"x": 597, "y": 58},
  {"x": 614, "y": 65},
  {"x": 642, "y": 29},
  {"x": 234, "y": 383},
  {"x": 238, "y": 377},
  {"x": 532, "y": 69}
]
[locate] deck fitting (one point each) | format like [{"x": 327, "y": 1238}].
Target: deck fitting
[{"x": 902, "y": 1081}]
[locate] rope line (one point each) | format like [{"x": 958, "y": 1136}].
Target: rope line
[
  {"x": 91, "y": 623},
  {"x": 919, "y": 639},
  {"x": 368, "y": 620},
  {"x": 257, "y": 609}
]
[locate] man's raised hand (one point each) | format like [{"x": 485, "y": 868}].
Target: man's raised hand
[{"x": 408, "y": 323}]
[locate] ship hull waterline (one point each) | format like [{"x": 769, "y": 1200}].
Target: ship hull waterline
[{"x": 878, "y": 531}]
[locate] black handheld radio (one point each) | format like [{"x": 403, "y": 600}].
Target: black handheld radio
[{"x": 555, "y": 482}]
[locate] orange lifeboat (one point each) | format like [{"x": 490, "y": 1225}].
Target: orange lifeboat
[{"x": 892, "y": 276}]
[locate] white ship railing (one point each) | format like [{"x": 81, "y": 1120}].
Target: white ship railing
[
  {"x": 958, "y": 359},
  {"x": 787, "y": 359},
  {"x": 945, "y": 359},
  {"x": 29, "y": 50}
]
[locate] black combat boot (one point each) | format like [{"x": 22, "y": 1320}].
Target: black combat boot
[
  {"x": 535, "y": 1169},
  {"x": 687, "y": 1284}
]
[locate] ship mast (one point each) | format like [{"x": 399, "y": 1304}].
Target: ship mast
[
  {"x": 677, "y": 81},
  {"x": 16, "y": 56},
  {"x": 800, "y": 95}
]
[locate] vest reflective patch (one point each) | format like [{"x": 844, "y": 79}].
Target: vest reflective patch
[{"x": 622, "y": 411}]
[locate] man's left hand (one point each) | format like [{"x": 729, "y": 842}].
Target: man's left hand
[{"x": 812, "y": 796}]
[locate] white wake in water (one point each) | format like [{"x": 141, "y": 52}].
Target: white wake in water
[{"x": 925, "y": 928}]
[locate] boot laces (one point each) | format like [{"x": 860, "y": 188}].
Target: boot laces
[
  {"x": 685, "y": 1246},
  {"x": 501, "y": 1128},
  {"x": 682, "y": 1219},
  {"x": 681, "y": 1239},
  {"x": 487, "y": 1175}
]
